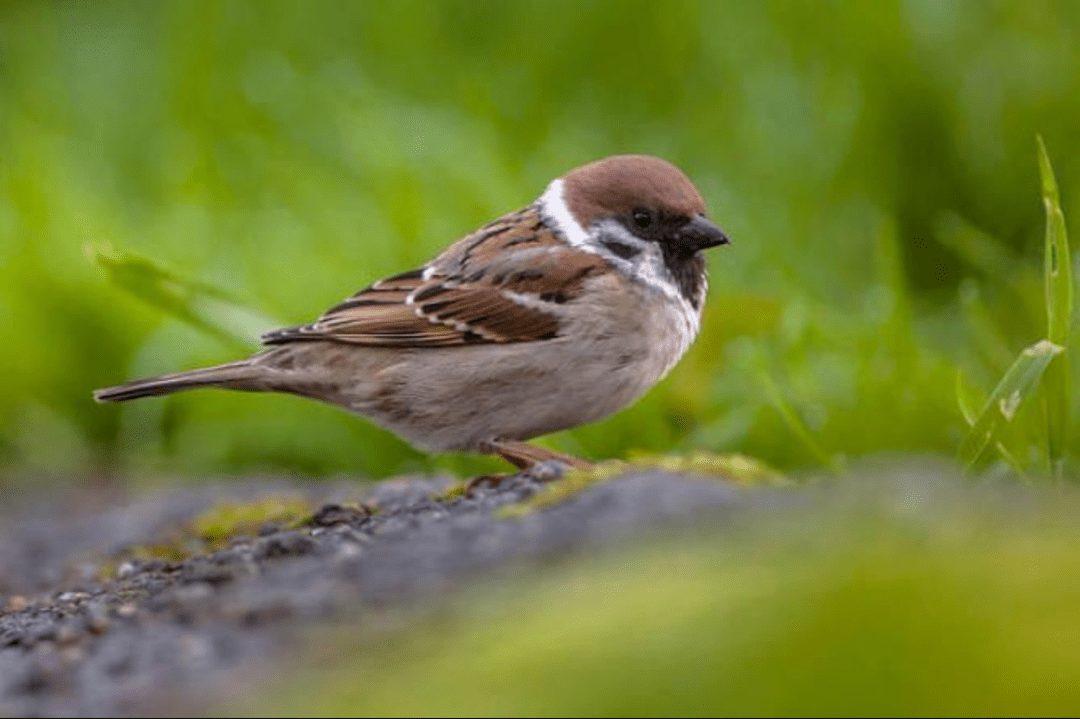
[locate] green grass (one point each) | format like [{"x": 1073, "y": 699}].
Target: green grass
[
  {"x": 1004, "y": 402},
  {"x": 1059, "y": 317},
  {"x": 236, "y": 162},
  {"x": 1043, "y": 365}
]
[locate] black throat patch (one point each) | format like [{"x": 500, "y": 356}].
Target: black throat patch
[{"x": 688, "y": 271}]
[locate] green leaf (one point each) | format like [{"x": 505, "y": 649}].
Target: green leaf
[
  {"x": 964, "y": 400},
  {"x": 1057, "y": 274},
  {"x": 1002, "y": 404},
  {"x": 206, "y": 307}
]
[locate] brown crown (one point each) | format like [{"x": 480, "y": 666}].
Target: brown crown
[{"x": 622, "y": 183}]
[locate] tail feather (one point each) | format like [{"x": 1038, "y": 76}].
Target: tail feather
[{"x": 235, "y": 375}]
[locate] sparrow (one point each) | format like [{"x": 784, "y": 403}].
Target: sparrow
[{"x": 547, "y": 318}]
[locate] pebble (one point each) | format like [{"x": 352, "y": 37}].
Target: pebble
[
  {"x": 548, "y": 471},
  {"x": 72, "y": 655},
  {"x": 347, "y": 551},
  {"x": 331, "y": 514},
  {"x": 127, "y": 610},
  {"x": 284, "y": 544},
  {"x": 97, "y": 619},
  {"x": 68, "y": 633},
  {"x": 207, "y": 571}
]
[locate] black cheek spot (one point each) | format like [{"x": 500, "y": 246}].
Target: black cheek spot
[
  {"x": 556, "y": 297},
  {"x": 620, "y": 249}
]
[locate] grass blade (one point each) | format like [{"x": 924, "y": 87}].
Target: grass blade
[
  {"x": 1058, "y": 275},
  {"x": 964, "y": 400},
  {"x": 1059, "y": 307},
  {"x": 795, "y": 424},
  {"x": 1002, "y": 404},
  {"x": 203, "y": 306}
]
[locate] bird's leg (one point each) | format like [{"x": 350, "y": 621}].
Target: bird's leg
[
  {"x": 524, "y": 456},
  {"x": 544, "y": 464}
]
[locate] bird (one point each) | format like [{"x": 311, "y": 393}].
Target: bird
[{"x": 547, "y": 318}]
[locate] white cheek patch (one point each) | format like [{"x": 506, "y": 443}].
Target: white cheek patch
[
  {"x": 652, "y": 269},
  {"x": 556, "y": 213},
  {"x": 646, "y": 264}
]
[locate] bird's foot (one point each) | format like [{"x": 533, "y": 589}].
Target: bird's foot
[
  {"x": 542, "y": 465},
  {"x": 490, "y": 481},
  {"x": 547, "y": 470}
]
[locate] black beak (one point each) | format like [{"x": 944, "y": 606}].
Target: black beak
[{"x": 700, "y": 234}]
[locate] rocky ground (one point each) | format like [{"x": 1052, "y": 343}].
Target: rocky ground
[{"x": 137, "y": 606}]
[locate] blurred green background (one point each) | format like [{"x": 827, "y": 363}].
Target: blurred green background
[{"x": 874, "y": 162}]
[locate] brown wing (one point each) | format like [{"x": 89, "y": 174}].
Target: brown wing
[{"x": 503, "y": 283}]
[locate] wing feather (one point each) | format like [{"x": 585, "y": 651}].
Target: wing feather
[{"x": 503, "y": 283}]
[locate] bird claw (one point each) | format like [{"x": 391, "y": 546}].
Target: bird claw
[
  {"x": 485, "y": 480},
  {"x": 547, "y": 471}
]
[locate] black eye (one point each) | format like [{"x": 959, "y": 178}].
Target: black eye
[{"x": 642, "y": 217}]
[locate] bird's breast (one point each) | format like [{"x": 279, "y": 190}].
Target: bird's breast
[{"x": 643, "y": 331}]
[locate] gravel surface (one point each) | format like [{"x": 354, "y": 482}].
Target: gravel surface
[{"x": 157, "y": 634}]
